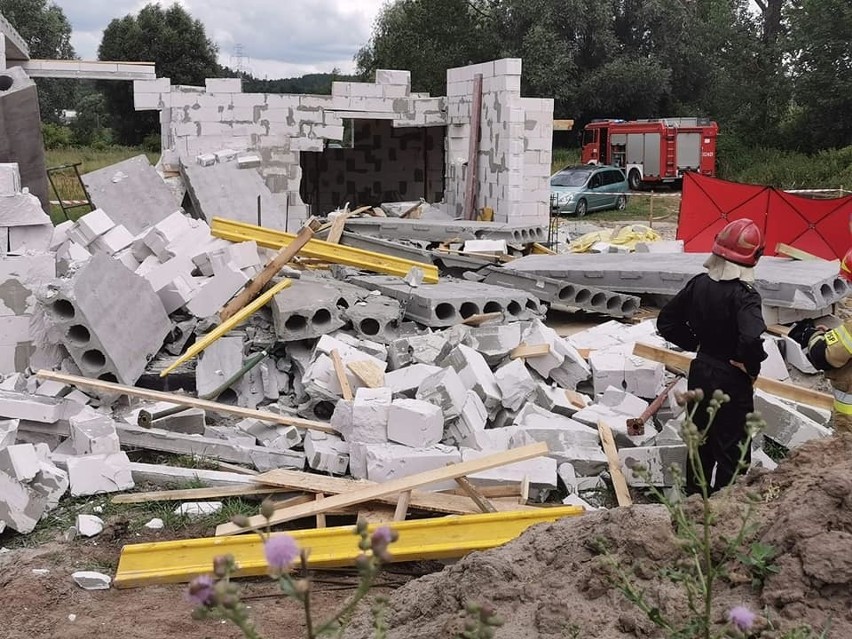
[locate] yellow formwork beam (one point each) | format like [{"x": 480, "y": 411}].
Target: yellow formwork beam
[
  {"x": 438, "y": 538},
  {"x": 334, "y": 253}
]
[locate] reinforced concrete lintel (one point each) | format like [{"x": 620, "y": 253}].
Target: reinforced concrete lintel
[{"x": 88, "y": 69}]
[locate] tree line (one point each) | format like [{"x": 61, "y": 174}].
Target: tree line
[
  {"x": 772, "y": 73},
  {"x": 775, "y": 73}
]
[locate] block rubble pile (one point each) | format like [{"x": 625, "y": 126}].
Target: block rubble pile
[{"x": 119, "y": 293}]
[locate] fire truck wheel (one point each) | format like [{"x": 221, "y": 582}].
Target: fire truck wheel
[
  {"x": 582, "y": 208},
  {"x": 621, "y": 203},
  {"x": 634, "y": 180}
]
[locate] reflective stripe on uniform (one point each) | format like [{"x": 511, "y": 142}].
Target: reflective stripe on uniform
[
  {"x": 839, "y": 334},
  {"x": 843, "y": 409}
]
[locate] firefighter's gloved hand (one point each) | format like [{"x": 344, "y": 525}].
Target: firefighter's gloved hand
[{"x": 802, "y": 332}]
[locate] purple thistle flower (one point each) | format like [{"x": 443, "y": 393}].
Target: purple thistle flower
[
  {"x": 382, "y": 536},
  {"x": 741, "y": 618},
  {"x": 280, "y": 551},
  {"x": 200, "y": 591}
]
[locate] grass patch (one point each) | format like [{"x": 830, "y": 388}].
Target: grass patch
[
  {"x": 562, "y": 158},
  {"x": 91, "y": 159}
]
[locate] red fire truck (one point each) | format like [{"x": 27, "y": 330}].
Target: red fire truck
[{"x": 652, "y": 151}]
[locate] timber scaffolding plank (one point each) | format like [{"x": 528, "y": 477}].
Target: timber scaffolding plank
[
  {"x": 333, "y": 253},
  {"x": 374, "y": 492},
  {"x": 183, "y": 400},
  {"x": 792, "y": 392},
  {"x": 419, "y": 540}
]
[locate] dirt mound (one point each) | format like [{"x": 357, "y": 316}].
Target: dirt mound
[{"x": 551, "y": 582}]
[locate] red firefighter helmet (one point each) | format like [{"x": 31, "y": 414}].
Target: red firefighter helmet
[
  {"x": 740, "y": 242},
  {"x": 846, "y": 266}
]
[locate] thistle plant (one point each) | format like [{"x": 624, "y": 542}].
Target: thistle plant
[
  {"x": 699, "y": 571},
  {"x": 216, "y": 596}
]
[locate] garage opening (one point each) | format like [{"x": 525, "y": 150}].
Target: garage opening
[{"x": 376, "y": 163}]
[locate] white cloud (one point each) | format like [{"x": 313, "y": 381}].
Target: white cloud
[{"x": 280, "y": 38}]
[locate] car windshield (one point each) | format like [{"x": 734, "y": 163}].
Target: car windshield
[{"x": 569, "y": 178}]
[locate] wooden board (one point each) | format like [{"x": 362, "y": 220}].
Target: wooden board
[
  {"x": 529, "y": 350},
  {"x": 368, "y": 373},
  {"x": 777, "y": 329},
  {"x": 196, "y": 494},
  {"x": 478, "y": 498},
  {"x": 395, "y": 487},
  {"x": 272, "y": 268},
  {"x": 402, "y": 503},
  {"x": 338, "y": 224},
  {"x": 796, "y": 254},
  {"x": 575, "y": 398},
  {"x": 622, "y": 492},
  {"x": 681, "y": 362},
  {"x": 492, "y": 492},
  {"x": 236, "y": 468},
  {"x": 563, "y": 125},
  {"x": 341, "y": 374},
  {"x": 481, "y": 318},
  {"x": 184, "y": 400}
]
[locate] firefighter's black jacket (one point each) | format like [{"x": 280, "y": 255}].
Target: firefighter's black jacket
[{"x": 722, "y": 320}]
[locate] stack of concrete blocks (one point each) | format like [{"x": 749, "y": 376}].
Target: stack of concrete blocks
[
  {"x": 20, "y": 278},
  {"x": 515, "y": 149},
  {"x": 24, "y": 226},
  {"x": 95, "y": 311},
  {"x": 196, "y": 123}
]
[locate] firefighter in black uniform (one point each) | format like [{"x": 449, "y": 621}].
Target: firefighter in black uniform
[{"x": 718, "y": 315}]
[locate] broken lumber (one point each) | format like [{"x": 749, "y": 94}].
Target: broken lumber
[
  {"x": 478, "y": 498},
  {"x": 619, "y": 483},
  {"x": 368, "y": 373},
  {"x": 338, "y": 224},
  {"x": 681, "y": 361},
  {"x": 224, "y": 327},
  {"x": 529, "y": 350},
  {"x": 794, "y": 253},
  {"x": 481, "y": 318},
  {"x": 393, "y": 487},
  {"x": 345, "y": 388},
  {"x": 272, "y": 268},
  {"x": 182, "y": 400}
]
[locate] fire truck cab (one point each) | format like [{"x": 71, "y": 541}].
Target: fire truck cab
[{"x": 652, "y": 151}]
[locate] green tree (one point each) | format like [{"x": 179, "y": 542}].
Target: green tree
[
  {"x": 47, "y": 32},
  {"x": 821, "y": 39},
  {"x": 90, "y": 128},
  {"x": 171, "y": 39}
]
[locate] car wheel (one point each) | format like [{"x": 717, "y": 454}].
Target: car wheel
[
  {"x": 634, "y": 180},
  {"x": 621, "y": 202},
  {"x": 582, "y": 208}
]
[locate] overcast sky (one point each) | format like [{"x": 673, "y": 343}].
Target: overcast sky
[{"x": 280, "y": 38}]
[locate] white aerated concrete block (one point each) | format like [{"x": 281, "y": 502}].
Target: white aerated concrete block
[
  {"x": 91, "y": 226},
  {"x": 760, "y": 459},
  {"x": 406, "y": 381},
  {"x": 20, "y": 461},
  {"x": 91, "y": 580},
  {"x": 643, "y": 377},
  {"x": 215, "y": 292},
  {"x": 326, "y": 453},
  {"x": 796, "y": 356},
  {"x": 271, "y": 435},
  {"x": 475, "y": 374},
  {"x": 93, "y": 433},
  {"x": 250, "y": 161},
  {"x": 560, "y": 433},
  {"x": 21, "y": 507},
  {"x": 560, "y": 401},
  {"x": 230, "y": 434},
  {"x": 515, "y": 383},
  {"x": 206, "y": 159},
  {"x": 784, "y": 424},
  {"x": 623, "y": 402},
  {"x": 470, "y": 423},
  {"x": 538, "y": 333},
  {"x": 488, "y": 247},
  {"x": 51, "y": 483},
  {"x": 197, "y": 509},
  {"x": 341, "y": 419},
  {"x": 656, "y": 461},
  {"x": 386, "y": 462},
  {"x": 568, "y": 476},
  {"x": 8, "y": 432},
  {"x": 89, "y": 525},
  {"x": 446, "y": 390},
  {"x": 370, "y": 412},
  {"x": 587, "y": 461},
  {"x": 773, "y": 366},
  {"x": 415, "y": 423},
  {"x": 95, "y": 474},
  {"x": 541, "y": 471}
]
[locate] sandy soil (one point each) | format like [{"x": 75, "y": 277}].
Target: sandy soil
[{"x": 551, "y": 583}]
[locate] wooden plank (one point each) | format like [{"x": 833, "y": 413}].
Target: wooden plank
[
  {"x": 402, "y": 502},
  {"x": 320, "y": 516},
  {"x": 525, "y": 490},
  {"x": 777, "y": 329},
  {"x": 480, "y": 500},
  {"x": 183, "y": 400},
  {"x": 541, "y": 249},
  {"x": 375, "y": 514},
  {"x": 338, "y": 224},
  {"x": 272, "y": 268},
  {"x": 492, "y": 492},
  {"x": 422, "y": 500},
  {"x": 681, "y": 362},
  {"x": 368, "y": 373},
  {"x": 341, "y": 374},
  {"x": 793, "y": 252},
  {"x": 472, "y": 179},
  {"x": 395, "y": 486},
  {"x": 529, "y": 350},
  {"x": 563, "y": 125},
  {"x": 195, "y": 494},
  {"x": 236, "y": 468},
  {"x": 481, "y": 318},
  {"x": 622, "y": 492},
  {"x": 575, "y": 398}
]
